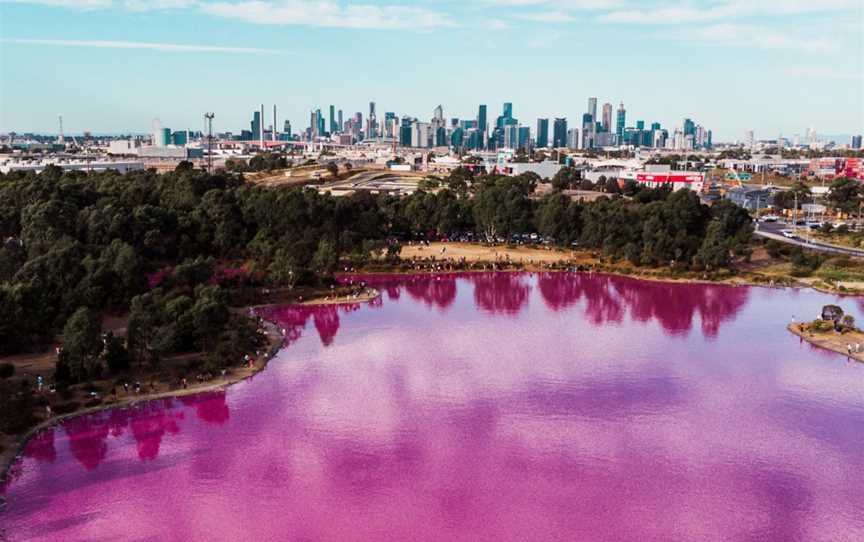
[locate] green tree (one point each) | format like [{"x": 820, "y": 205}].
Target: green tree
[
  {"x": 714, "y": 252},
  {"x": 845, "y": 194},
  {"x": 326, "y": 258},
  {"x": 282, "y": 271},
  {"x": 82, "y": 344}
]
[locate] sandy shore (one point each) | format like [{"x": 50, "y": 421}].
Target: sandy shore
[{"x": 831, "y": 340}]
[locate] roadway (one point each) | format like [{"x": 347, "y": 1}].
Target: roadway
[{"x": 772, "y": 230}]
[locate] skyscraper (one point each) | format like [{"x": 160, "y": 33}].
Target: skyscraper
[
  {"x": 438, "y": 114},
  {"x": 341, "y": 123},
  {"x": 588, "y": 131},
  {"x": 606, "y": 122},
  {"x": 333, "y": 128},
  {"x": 542, "y": 133},
  {"x": 508, "y": 110},
  {"x": 592, "y": 108},
  {"x": 689, "y": 127},
  {"x": 481, "y": 118},
  {"x": 256, "y": 124},
  {"x": 856, "y": 142},
  {"x": 322, "y": 129},
  {"x": 620, "y": 120},
  {"x": 372, "y": 130},
  {"x": 573, "y": 139},
  {"x": 559, "y": 133}
]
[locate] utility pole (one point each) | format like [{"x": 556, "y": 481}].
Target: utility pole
[{"x": 208, "y": 117}]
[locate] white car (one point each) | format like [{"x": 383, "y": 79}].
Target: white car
[
  {"x": 788, "y": 234},
  {"x": 770, "y": 218}
]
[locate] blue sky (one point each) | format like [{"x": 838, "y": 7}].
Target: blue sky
[{"x": 774, "y": 66}]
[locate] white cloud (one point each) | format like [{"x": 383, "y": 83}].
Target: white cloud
[
  {"x": 168, "y": 47},
  {"x": 327, "y": 13},
  {"x": 549, "y": 17},
  {"x": 691, "y": 12},
  {"x": 757, "y": 37},
  {"x": 823, "y": 73},
  {"x": 75, "y": 4}
]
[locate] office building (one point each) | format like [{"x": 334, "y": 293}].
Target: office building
[
  {"x": 542, "y": 133},
  {"x": 856, "y": 142},
  {"x": 180, "y": 138},
  {"x": 372, "y": 123},
  {"x": 620, "y": 121},
  {"x": 588, "y": 131},
  {"x": 255, "y": 125},
  {"x": 559, "y": 133},
  {"x": 606, "y": 121},
  {"x": 689, "y": 128},
  {"x": 333, "y": 127},
  {"x": 481, "y": 119},
  {"x": 592, "y": 108},
  {"x": 340, "y": 123},
  {"x": 573, "y": 139}
]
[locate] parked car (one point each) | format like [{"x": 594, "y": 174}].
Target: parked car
[{"x": 789, "y": 234}]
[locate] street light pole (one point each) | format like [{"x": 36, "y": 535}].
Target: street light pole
[{"x": 209, "y": 118}]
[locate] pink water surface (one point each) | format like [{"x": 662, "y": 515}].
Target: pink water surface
[{"x": 485, "y": 407}]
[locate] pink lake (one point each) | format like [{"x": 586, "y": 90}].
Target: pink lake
[{"x": 485, "y": 407}]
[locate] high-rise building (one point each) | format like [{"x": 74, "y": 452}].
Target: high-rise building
[
  {"x": 573, "y": 139},
  {"x": 457, "y": 138},
  {"x": 620, "y": 121},
  {"x": 508, "y": 110},
  {"x": 588, "y": 130},
  {"x": 689, "y": 127},
  {"x": 158, "y": 134},
  {"x": 405, "y": 131},
  {"x": 749, "y": 138},
  {"x": 481, "y": 119},
  {"x": 333, "y": 127},
  {"x": 180, "y": 138},
  {"x": 511, "y": 136},
  {"x": 856, "y": 142},
  {"x": 391, "y": 125},
  {"x": 256, "y": 124},
  {"x": 286, "y": 130},
  {"x": 372, "y": 123},
  {"x": 606, "y": 122},
  {"x": 341, "y": 125},
  {"x": 438, "y": 114},
  {"x": 592, "y": 108},
  {"x": 524, "y": 139},
  {"x": 321, "y": 123},
  {"x": 542, "y": 133},
  {"x": 559, "y": 133}
]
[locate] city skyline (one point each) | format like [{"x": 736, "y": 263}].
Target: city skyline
[{"x": 117, "y": 65}]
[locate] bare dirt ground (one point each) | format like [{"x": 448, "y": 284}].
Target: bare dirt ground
[{"x": 492, "y": 253}]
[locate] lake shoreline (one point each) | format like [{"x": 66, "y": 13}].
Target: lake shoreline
[
  {"x": 8, "y": 456},
  {"x": 830, "y": 341},
  {"x": 16, "y": 448}
]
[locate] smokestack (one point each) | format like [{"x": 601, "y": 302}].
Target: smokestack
[
  {"x": 261, "y": 128},
  {"x": 274, "y": 122}
]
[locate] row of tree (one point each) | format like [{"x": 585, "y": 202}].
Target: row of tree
[{"x": 90, "y": 240}]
